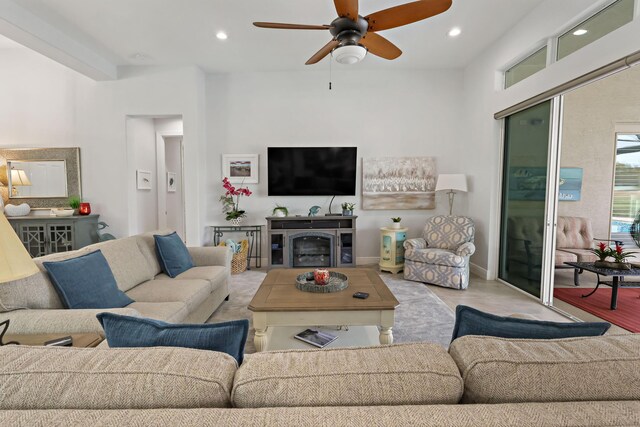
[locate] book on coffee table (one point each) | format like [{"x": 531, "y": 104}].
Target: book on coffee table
[{"x": 315, "y": 338}]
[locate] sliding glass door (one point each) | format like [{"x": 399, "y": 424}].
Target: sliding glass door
[{"x": 525, "y": 175}]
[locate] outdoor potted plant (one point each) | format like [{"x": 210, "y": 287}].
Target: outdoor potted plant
[
  {"x": 231, "y": 206},
  {"x": 396, "y": 222},
  {"x": 280, "y": 211},
  {"x": 347, "y": 208},
  {"x": 618, "y": 254}
]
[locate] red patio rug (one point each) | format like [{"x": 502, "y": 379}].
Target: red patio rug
[{"x": 627, "y": 315}]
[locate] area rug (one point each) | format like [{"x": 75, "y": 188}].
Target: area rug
[
  {"x": 421, "y": 315},
  {"x": 627, "y": 315}
]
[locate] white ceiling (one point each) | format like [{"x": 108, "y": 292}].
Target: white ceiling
[{"x": 182, "y": 32}]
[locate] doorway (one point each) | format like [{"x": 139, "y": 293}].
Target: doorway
[
  {"x": 524, "y": 194},
  {"x": 171, "y": 213},
  {"x": 155, "y": 147}
]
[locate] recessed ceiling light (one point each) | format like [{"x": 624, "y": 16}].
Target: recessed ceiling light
[
  {"x": 221, "y": 35},
  {"x": 579, "y": 32},
  {"x": 454, "y": 32}
]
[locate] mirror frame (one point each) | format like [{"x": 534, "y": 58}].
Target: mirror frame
[{"x": 71, "y": 156}]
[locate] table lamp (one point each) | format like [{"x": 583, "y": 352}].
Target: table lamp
[
  {"x": 452, "y": 183},
  {"x": 18, "y": 178},
  {"x": 15, "y": 261}
]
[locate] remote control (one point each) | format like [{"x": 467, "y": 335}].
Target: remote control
[
  {"x": 361, "y": 295},
  {"x": 64, "y": 341}
]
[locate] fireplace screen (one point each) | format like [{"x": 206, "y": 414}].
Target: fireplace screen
[{"x": 312, "y": 250}]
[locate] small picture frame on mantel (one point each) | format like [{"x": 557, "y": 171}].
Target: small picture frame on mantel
[
  {"x": 143, "y": 179},
  {"x": 241, "y": 168}
]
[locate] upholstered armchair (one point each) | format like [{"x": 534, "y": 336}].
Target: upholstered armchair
[{"x": 441, "y": 256}]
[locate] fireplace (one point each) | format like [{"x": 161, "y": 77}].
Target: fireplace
[{"x": 312, "y": 249}]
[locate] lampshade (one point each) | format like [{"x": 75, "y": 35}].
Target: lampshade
[
  {"x": 19, "y": 177},
  {"x": 15, "y": 262},
  {"x": 457, "y": 182}
]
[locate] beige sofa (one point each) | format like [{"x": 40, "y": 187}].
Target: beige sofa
[
  {"x": 574, "y": 239},
  {"x": 33, "y": 305},
  {"x": 481, "y": 381}
]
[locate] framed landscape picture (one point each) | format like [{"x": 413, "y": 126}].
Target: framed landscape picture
[{"x": 241, "y": 168}]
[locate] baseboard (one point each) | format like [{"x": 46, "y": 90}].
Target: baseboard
[
  {"x": 479, "y": 271},
  {"x": 367, "y": 260}
]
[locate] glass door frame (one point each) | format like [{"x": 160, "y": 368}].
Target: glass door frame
[{"x": 551, "y": 202}]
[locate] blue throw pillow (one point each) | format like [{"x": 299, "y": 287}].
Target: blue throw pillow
[
  {"x": 86, "y": 282},
  {"x": 173, "y": 254},
  {"x": 126, "y": 331},
  {"x": 470, "y": 321}
]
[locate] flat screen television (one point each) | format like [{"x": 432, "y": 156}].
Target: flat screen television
[{"x": 311, "y": 171}]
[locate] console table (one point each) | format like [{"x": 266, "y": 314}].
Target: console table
[
  {"x": 44, "y": 234},
  {"x": 253, "y": 232},
  {"x": 311, "y": 241}
]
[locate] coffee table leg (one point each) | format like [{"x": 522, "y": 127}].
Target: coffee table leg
[
  {"x": 614, "y": 293},
  {"x": 260, "y": 338},
  {"x": 386, "y": 327},
  {"x": 386, "y": 336}
]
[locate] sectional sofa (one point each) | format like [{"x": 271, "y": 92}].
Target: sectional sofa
[
  {"x": 480, "y": 381},
  {"x": 34, "y": 307}
]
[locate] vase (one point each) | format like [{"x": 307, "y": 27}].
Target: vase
[
  {"x": 236, "y": 222},
  {"x": 84, "y": 209}
]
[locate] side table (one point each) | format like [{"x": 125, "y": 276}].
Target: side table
[
  {"x": 392, "y": 249},
  {"x": 79, "y": 340},
  {"x": 253, "y": 232}
]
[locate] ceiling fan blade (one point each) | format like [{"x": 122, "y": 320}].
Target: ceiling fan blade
[
  {"x": 380, "y": 46},
  {"x": 277, "y": 25},
  {"x": 326, "y": 50},
  {"x": 406, "y": 14},
  {"x": 347, "y": 9}
]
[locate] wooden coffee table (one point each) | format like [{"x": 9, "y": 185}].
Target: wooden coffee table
[
  {"x": 79, "y": 340},
  {"x": 279, "y": 303}
]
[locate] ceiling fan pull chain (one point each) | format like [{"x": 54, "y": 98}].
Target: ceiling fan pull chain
[{"x": 330, "y": 61}]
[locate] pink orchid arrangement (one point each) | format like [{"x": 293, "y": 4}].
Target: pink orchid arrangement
[{"x": 230, "y": 206}]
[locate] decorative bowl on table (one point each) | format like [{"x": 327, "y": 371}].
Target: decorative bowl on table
[
  {"x": 337, "y": 282},
  {"x": 62, "y": 212}
]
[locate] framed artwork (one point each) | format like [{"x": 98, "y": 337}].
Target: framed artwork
[
  {"x": 399, "y": 183},
  {"x": 143, "y": 179},
  {"x": 171, "y": 182},
  {"x": 530, "y": 183},
  {"x": 241, "y": 168}
]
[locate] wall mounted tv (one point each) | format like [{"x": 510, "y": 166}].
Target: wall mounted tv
[{"x": 311, "y": 171}]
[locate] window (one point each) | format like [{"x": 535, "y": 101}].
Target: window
[
  {"x": 626, "y": 188},
  {"x": 525, "y": 68},
  {"x": 599, "y": 25}
]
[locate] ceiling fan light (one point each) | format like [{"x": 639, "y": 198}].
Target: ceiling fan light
[{"x": 349, "y": 54}]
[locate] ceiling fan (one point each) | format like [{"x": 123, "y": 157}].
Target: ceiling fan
[{"x": 354, "y": 35}]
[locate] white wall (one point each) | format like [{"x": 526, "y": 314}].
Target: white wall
[
  {"x": 173, "y": 163},
  {"x": 141, "y": 143},
  {"x": 399, "y": 113},
  {"x": 44, "y": 104},
  {"x": 483, "y": 97}
]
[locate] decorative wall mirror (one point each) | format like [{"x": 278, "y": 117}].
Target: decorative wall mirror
[{"x": 42, "y": 177}]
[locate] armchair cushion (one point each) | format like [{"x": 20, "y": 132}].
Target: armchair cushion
[
  {"x": 417, "y": 243},
  {"x": 436, "y": 256},
  {"x": 448, "y": 231},
  {"x": 466, "y": 249}
]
